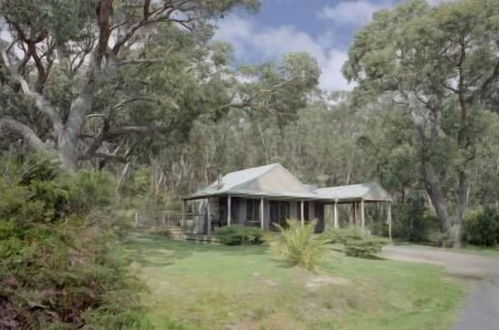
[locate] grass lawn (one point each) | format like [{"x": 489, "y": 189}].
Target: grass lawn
[{"x": 196, "y": 286}]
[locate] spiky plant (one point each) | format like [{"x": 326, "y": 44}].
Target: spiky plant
[{"x": 298, "y": 246}]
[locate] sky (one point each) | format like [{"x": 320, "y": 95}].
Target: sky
[{"x": 323, "y": 28}]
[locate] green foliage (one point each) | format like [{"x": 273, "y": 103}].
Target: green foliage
[
  {"x": 409, "y": 55},
  {"x": 481, "y": 227},
  {"x": 239, "y": 235},
  {"x": 65, "y": 19},
  {"x": 298, "y": 246},
  {"x": 412, "y": 222},
  {"x": 60, "y": 267},
  {"x": 89, "y": 189},
  {"x": 356, "y": 244}
]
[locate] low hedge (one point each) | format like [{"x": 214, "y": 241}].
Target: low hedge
[
  {"x": 355, "y": 243},
  {"x": 239, "y": 235}
]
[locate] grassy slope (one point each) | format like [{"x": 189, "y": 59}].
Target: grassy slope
[{"x": 196, "y": 286}]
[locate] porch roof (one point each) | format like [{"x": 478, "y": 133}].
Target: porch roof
[{"x": 369, "y": 192}]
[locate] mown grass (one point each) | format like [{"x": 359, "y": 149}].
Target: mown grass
[{"x": 196, "y": 286}]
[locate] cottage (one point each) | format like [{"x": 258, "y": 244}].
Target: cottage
[{"x": 268, "y": 195}]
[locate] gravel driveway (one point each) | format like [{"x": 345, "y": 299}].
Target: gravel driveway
[{"x": 481, "y": 309}]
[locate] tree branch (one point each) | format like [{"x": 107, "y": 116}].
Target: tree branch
[
  {"x": 248, "y": 101},
  {"x": 7, "y": 123},
  {"x": 104, "y": 133},
  {"x": 40, "y": 102},
  {"x": 489, "y": 80},
  {"x": 142, "y": 130},
  {"x": 161, "y": 14}
]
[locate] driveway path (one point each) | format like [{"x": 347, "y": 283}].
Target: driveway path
[{"x": 481, "y": 308}]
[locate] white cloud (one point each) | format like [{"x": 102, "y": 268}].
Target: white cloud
[
  {"x": 287, "y": 39},
  {"x": 358, "y": 12},
  {"x": 252, "y": 42},
  {"x": 332, "y": 78}
]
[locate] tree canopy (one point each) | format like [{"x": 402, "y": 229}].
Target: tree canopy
[{"x": 441, "y": 65}]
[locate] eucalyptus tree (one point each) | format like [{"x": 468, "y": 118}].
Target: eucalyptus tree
[
  {"x": 249, "y": 130},
  {"x": 81, "y": 48},
  {"x": 441, "y": 65}
]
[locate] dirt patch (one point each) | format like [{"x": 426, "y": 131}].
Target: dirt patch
[
  {"x": 324, "y": 280},
  {"x": 268, "y": 281}
]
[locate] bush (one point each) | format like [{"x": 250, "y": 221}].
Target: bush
[
  {"x": 59, "y": 267},
  {"x": 297, "y": 245},
  {"x": 238, "y": 235},
  {"x": 89, "y": 189},
  {"x": 481, "y": 227},
  {"x": 355, "y": 243},
  {"x": 412, "y": 222}
]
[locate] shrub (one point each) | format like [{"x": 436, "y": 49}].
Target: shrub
[
  {"x": 238, "y": 235},
  {"x": 59, "y": 267},
  {"x": 355, "y": 243},
  {"x": 481, "y": 227},
  {"x": 298, "y": 246},
  {"x": 412, "y": 222},
  {"x": 89, "y": 189}
]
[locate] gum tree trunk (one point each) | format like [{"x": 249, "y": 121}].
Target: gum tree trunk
[{"x": 450, "y": 224}]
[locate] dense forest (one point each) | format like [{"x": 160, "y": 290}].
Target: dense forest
[{"x": 107, "y": 106}]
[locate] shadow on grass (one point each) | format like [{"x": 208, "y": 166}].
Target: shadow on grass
[{"x": 157, "y": 250}]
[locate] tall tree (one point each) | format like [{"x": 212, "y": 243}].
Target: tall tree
[
  {"x": 88, "y": 42},
  {"x": 441, "y": 65}
]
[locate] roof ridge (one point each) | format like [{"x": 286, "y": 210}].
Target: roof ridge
[
  {"x": 251, "y": 168},
  {"x": 271, "y": 166}
]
